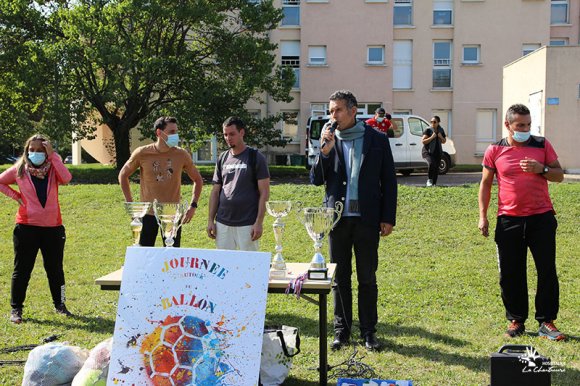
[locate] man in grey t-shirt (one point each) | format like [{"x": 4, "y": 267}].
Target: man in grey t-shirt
[{"x": 241, "y": 187}]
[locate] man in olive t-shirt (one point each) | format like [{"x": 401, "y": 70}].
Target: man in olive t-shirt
[{"x": 160, "y": 167}]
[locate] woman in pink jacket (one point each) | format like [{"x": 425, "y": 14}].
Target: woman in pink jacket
[{"x": 38, "y": 221}]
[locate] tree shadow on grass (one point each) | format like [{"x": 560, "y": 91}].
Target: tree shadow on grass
[
  {"x": 79, "y": 322},
  {"x": 429, "y": 354},
  {"x": 308, "y": 325},
  {"x": 397, "y": 330}
]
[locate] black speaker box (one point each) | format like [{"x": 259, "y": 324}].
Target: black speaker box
[{"x": 515, "y": 365}]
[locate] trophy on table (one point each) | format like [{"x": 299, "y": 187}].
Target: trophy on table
[
  {"x": 137, "y": 210},
  {"x": 170, "y": 217},
  {"x": 278, "y": 209},
  {"x": 319, "y": 221}
]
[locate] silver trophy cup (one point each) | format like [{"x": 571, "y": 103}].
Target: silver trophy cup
[
  {"x": 279, "y": 210},
  {"x": 318, "y": 222},
  {"x": 170, "y": 217},
  {"x": 137, "y": 210}
]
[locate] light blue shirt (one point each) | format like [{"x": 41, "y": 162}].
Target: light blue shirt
[{"x": 346, "y": 146}]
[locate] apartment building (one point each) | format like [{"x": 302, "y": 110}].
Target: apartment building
[{"x": 425, "y": 57}]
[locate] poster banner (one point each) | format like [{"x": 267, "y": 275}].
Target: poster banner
[{"x": 190, "y": 317}]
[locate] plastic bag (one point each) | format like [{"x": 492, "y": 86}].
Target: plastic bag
[
  {"x": 53, "y": 364},
  {"x": 96, "y": 368},
  {"x": 279, "y": 345}
]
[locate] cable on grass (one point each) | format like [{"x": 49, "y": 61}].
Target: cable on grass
[
  {"x": 352, "y": 368},
  {"x": 28, "y": 346},
  {"x": 11, "y": 362}
]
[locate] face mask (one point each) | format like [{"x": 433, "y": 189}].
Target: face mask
[
  {"x": 380, "y": 119},
  {"x": 36, "y": 157},
  {"x": 172, "y": 140},
  {"x": 521, "y": 136}
]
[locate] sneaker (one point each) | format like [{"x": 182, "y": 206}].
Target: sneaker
[
  {"x": 16, "y": 315},
  {"x": 515, "y": 329},
  {"x": 62, "y": 310},
  {"x": 550, "y": 331},
  {"x": 429, "y": 183}
]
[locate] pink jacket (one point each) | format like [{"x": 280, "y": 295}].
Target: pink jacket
[{"x": 32, "y": 212}]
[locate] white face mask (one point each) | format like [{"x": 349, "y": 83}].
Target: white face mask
[
  {"x": 380, "y": 119},
  {"x": 172, "y": 140},
  {"x": 521, "y": 136},
  {"x": 37, "y": 157}
]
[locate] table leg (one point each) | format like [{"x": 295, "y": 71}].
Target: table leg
[{"x": 323, "y": 360}]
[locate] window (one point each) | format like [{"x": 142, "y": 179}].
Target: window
[
  {"x": 291, "y": 11},
  {"x": 290, "y": 52},
  {"x": 397, "y": 125},
  {"x": 403, "y": 12},
  {"x": 376, "y": 54},
  {"x": 559, "y": 12},
  {"x": 485, "y": 128},
  {"x": 403, "y": 64},
  {"x": 442, "y": 64},
  {"x": 417, "y": 126},
  {"x": 317, "y": 109},
  {"x": 442, "y": 12},
  {"x": 368, "y": 108},
  {"x": 290, "y": 124},
  {"x": 471, "y": 54},
  {"x": 529, "y": 48},
  {"x": 559, "y": 42},
  {"x": 317, "y": 55}
]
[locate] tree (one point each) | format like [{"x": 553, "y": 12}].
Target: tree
[{"x": 125, "y": 62}]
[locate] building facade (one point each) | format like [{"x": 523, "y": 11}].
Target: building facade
[
  {"x": 554, "y": 100},
  {"x": 425, "y": 57}
]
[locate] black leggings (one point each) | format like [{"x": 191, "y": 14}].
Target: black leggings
[
  {"x": 28, "y": 239},
  {"x": 433, "y": 160},
  {"x": 514, "y": 236}
]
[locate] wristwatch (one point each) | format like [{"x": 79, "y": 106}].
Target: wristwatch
[
  {"x": 194, "y": 204},
  {"x": 545, "y": 170}
]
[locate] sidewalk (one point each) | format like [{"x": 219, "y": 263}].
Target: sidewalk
[{"x": 571, "y": 178}]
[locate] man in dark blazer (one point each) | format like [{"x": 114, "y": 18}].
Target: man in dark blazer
[{"x": 356, "y": 165}]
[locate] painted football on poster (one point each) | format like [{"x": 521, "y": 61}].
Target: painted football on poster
[{"x": 190, "y": 317}]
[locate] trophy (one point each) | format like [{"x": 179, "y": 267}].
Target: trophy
[
  {"x": 318, "y": 222},
  {"x": 169, "y": 216},
  {"x": 278, "y": 209},
  {"x": 137, "y": 210}
]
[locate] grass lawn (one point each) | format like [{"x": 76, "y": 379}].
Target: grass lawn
[{"x": 440, "y": 313}]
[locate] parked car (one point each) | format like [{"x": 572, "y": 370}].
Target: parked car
[
  {"x": 405, "y": 142},
  {"x": 68, "y": 159},
  {"x": 8, "y": 159}
]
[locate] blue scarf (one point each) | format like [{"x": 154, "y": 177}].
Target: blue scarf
[{"x": 355, "y": 134}]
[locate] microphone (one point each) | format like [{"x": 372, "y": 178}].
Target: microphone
[{"x": 332, "y": 128}]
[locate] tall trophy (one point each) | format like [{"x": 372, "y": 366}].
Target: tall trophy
[
  {"x": 318, "y": 222},
  {"x": 137, "y": 210},
  {"x": 278, "y": 209},
  {"x": 169, "y": 216}
]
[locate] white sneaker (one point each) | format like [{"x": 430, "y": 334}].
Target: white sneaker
[{"x": 429, "y": 183}]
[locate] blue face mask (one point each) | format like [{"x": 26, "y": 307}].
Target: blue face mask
[
  {"x": 37, "y": 157},
  {"x": 521, "y": 136},
  {"x": 172, "y": 140}
]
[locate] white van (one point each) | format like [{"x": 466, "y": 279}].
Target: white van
[{"x": 405, "y": 143}]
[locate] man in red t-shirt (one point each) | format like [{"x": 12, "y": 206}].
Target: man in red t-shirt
[
  {"x": 523, "y": 165},
  {"x": 381, "y": 121}
]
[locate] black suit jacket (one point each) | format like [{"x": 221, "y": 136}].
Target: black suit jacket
[{"x": 377, "y": 184}]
